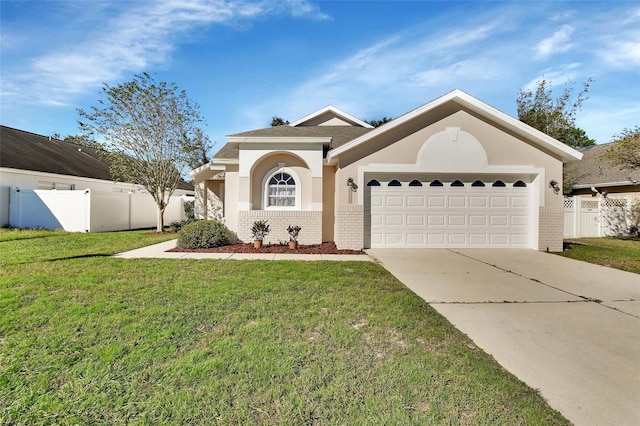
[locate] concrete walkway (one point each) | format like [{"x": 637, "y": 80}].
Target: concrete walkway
[
  {"x": 160, "y": 251},
  {"x": 568, "y": 328}
]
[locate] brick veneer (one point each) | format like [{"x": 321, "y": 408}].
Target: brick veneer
[
  {"x": 279, "y": 220},
  {"x": 350, "y": 227},
  {"x": 551, "y": 228}
]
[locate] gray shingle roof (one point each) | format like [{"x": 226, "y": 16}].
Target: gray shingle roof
[
  {"x": 339, "y": 136},
  {"x": 593, "y": 169},
  {"x": 29, "y": 151}
]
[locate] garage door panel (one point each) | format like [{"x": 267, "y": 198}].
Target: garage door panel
[
  {"x": 499, "y": 201},
  {"x": 477, "y": 239},
  {"x": 449, "y": 216},
  {"x": 457, "y": 201},
  {"x": 414, "y": 201},
  {"x": 499, "y": 220},
  {"x": 519, "y": 202},
  {"x": 438, "y": 201},
  {"x": 457, "y": 239},
  {"x": 415, "y": 239},
  {"x": 436, "y": 220},
  {"x": 435, "y": 239},
  {"x": 394, "y": 201},
  {"x": 457, "y": 220},
  {"x": 415, "y": 220},
  {"x": 394, "y": 220},
  {"x": 477, "y": 220},
  {"x": 475, "y": 201}
]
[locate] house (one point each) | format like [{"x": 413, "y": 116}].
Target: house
[
  {"x": 31, "y": 162},
  {"x": 454, "y": 172},
  {"x": 595, "y": 171},
  {"x": 604, "y": 199}
]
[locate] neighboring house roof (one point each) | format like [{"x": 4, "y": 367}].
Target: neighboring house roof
[
  {"x": 478, "y": 108},
  {"x": 595, "y": 170},
  {"x": 29, "y": 151}
]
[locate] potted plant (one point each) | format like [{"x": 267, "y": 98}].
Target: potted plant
[
  {"x": 259, "y": 230},
  {"x": 293, "y": 236}
]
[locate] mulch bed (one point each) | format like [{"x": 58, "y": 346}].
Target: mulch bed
[{"x": 324, "y": 248}]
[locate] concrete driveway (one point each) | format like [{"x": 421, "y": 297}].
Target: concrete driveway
[{"x": 567, "y": 328}]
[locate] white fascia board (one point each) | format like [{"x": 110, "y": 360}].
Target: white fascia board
[
  {"x": 279, "y": 139},
  {"x": 219, "y": 165},
  {"x": 596, "y": 185},
  {"x": 563, "y": 151},
  {"x": 336, "y": 111}
]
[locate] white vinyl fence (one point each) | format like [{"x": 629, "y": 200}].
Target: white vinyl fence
[
  {"x": 88, "y": 210},
  {"x": 597, "y": 217}
]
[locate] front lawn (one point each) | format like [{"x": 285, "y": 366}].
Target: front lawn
[
  {"x": 616, "y": 253},
  {"x": 87, "y": 339}
]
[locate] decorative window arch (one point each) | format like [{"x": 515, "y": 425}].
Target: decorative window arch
[{"x": 281, "y": 190}]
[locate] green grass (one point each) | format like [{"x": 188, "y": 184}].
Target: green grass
[
  {"x": 616, "y": 253},
  {"x": 88, "y": 339}
]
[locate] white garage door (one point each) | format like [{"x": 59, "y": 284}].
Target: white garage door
[{"x": 459, "y": 213}]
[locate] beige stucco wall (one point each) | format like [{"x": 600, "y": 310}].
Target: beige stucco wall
[
  {"x": 231, "y": 190},
  {"x": 328, "y": 203},
  {"x": 266, "y": 165}
]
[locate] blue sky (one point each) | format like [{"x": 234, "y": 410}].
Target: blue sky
[{"x": 245, "y": 62}]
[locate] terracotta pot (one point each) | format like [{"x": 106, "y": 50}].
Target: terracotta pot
[
  {"x": 257, "y": 243},
  {"x": 293, "y": 245}
]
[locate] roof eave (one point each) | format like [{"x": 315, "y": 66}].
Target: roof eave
[
  {"x": 565, "y": 152},
  {"x": 280, "y": 139}
]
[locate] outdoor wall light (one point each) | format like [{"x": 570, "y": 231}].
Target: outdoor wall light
[
  {"x": 352, "y": 184},
  {"x": 554, "y": 184}
]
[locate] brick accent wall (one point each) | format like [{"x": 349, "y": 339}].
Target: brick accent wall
[
  {"x": 551, "y": 228},
  {"x": 350, "y": 227},
  {"x": 279, "y": 220}
]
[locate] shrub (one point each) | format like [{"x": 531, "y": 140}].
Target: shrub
[
  {"x": 204, "y": 234},
  {"x": 177, "y": 225}
]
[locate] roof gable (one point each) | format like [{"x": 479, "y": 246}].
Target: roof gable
[
  {"x": 330, "y": 116},
  {"x": 461, "y": 100}
]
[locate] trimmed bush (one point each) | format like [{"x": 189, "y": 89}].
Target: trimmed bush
[
  {"x": 177, "y": 225},
  {"x": 204, "y": 234}
]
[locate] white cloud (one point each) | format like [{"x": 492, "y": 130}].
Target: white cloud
[
  {"x": 134, "y": 39},
  {"x": 623, "y": 52},
  {"x": 556, "y": 43}
]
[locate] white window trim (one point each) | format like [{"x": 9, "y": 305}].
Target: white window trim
[{"x": 265, "y": 189}]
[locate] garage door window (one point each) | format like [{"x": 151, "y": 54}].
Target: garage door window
[
  {"x": 415, "y": 182},
  {"x": 519, "y": 184},
  {"x": 478, "y": 184},
  {"x": 394, "y": 182},
  {"x": 436, "y": 183},
  {"x": 499, "y": 184},
  {"x": 373, "y": 182},
  {"x": 457, "y": 183}
]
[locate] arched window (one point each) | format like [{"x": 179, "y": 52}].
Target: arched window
[
  {"x": 499, "y": 184},
  {"x": 436, "y": 183},
  {"x": 477, "y": 183},
  {"x": 281, "y": 190},
  {"x": 457, "y": 183},
  {"x": 519, "y": 184},
  {"x": 415, "y": 182},
  {"x": 373, "y": 182},
  {"x": 394, "y": 182}
]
